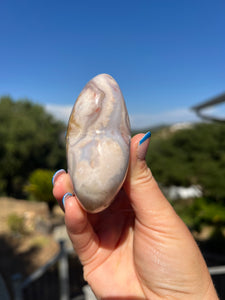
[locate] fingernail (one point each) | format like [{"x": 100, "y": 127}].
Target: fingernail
[
  {"x": 66, "y": 196},
  {"x": 143, "y": 146},
  {"x": 145, "y": 137},
  {"x": 57, "y": 173}
]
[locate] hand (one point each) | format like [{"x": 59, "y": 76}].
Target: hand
[{"x": 138, "y": 248}]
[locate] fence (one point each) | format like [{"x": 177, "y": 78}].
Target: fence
[
  {"x": 61, "y": 260},
  {"x": 62, "y": 290},
  {"x": 218, "y": 276}
]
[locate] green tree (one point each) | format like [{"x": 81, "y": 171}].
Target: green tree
[
  {"x": 30, "y": 138},
  {"x": 191, "y": 156}
]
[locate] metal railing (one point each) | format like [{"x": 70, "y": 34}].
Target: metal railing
[
  {"x": 218, "y": 270},
  {"x": 61, "y": 261}
]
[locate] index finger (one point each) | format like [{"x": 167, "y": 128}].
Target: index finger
[{"x": 62, "y": 184}]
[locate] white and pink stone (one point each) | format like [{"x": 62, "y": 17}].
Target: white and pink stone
[{"x": 98, "y": 143}]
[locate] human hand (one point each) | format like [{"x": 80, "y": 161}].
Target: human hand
[{"x": 138, "y": 248}]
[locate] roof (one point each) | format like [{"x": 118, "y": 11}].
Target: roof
[{"x": 212, "y": 102}]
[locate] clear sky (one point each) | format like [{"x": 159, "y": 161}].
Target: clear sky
[{"x": 166, "y": 55}]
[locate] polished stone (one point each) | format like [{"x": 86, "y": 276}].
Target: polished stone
[{"x": 98, "y": 143}]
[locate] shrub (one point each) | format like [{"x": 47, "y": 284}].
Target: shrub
[
  {"x": 201, "y": 211},
  {"x": 39, "y": 187}
]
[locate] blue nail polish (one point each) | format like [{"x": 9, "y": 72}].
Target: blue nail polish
[
  {"x": 67, "y": 195},
  {"x": 145, "y": 137},
  {"x": 56, "y": 174}
]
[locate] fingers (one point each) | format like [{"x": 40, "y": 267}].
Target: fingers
[
  {"x": 62, "y": 184},
  {"x": 83, "y": 238},
  {"x": 146, "y": 198},
  {"x": 80, "y": 231}
]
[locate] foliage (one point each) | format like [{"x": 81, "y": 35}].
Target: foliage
[
  {"x": 39, "y": 187},
  {"x": 16, "y": 224},
  {"x": 191, "y": 156},
  {"x": 201, "y": 211},
  {"x": 29, "y": 139}
]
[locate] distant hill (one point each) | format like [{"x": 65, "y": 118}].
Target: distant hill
[{"x": 193, "y": 155}]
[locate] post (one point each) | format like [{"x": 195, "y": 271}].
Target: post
[
  {"x": 63, "y": 269},
  {"x": 17, "y": 286}
]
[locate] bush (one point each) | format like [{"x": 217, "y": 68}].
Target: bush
[
  {"x": 200, "y": 212},
  {"x": 39, "y": 187}
]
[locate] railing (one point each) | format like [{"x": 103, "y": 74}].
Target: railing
[
  {"x": 218, "y": 270},
  {"x": 61, "y": 261},
  {"x": 218, "y": 276}
]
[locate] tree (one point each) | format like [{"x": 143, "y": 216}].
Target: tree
[
  {"x": 30, "y": 138},
  {"x": 191, "y": 156}
]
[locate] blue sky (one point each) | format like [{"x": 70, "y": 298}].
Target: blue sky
[{"x": 166, "y": 55}]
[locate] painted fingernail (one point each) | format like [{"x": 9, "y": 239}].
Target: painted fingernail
[
  {"x": 145, "y": 137},
  {"x": 143, "y": 146},
  {"x": 57, "y": 173},
  {"x": 66, "y": 196}
]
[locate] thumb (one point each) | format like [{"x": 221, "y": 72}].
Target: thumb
[{"x": 143, "y": 191}]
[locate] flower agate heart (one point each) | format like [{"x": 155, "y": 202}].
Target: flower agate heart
[{"x": 98, "y": 143}]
